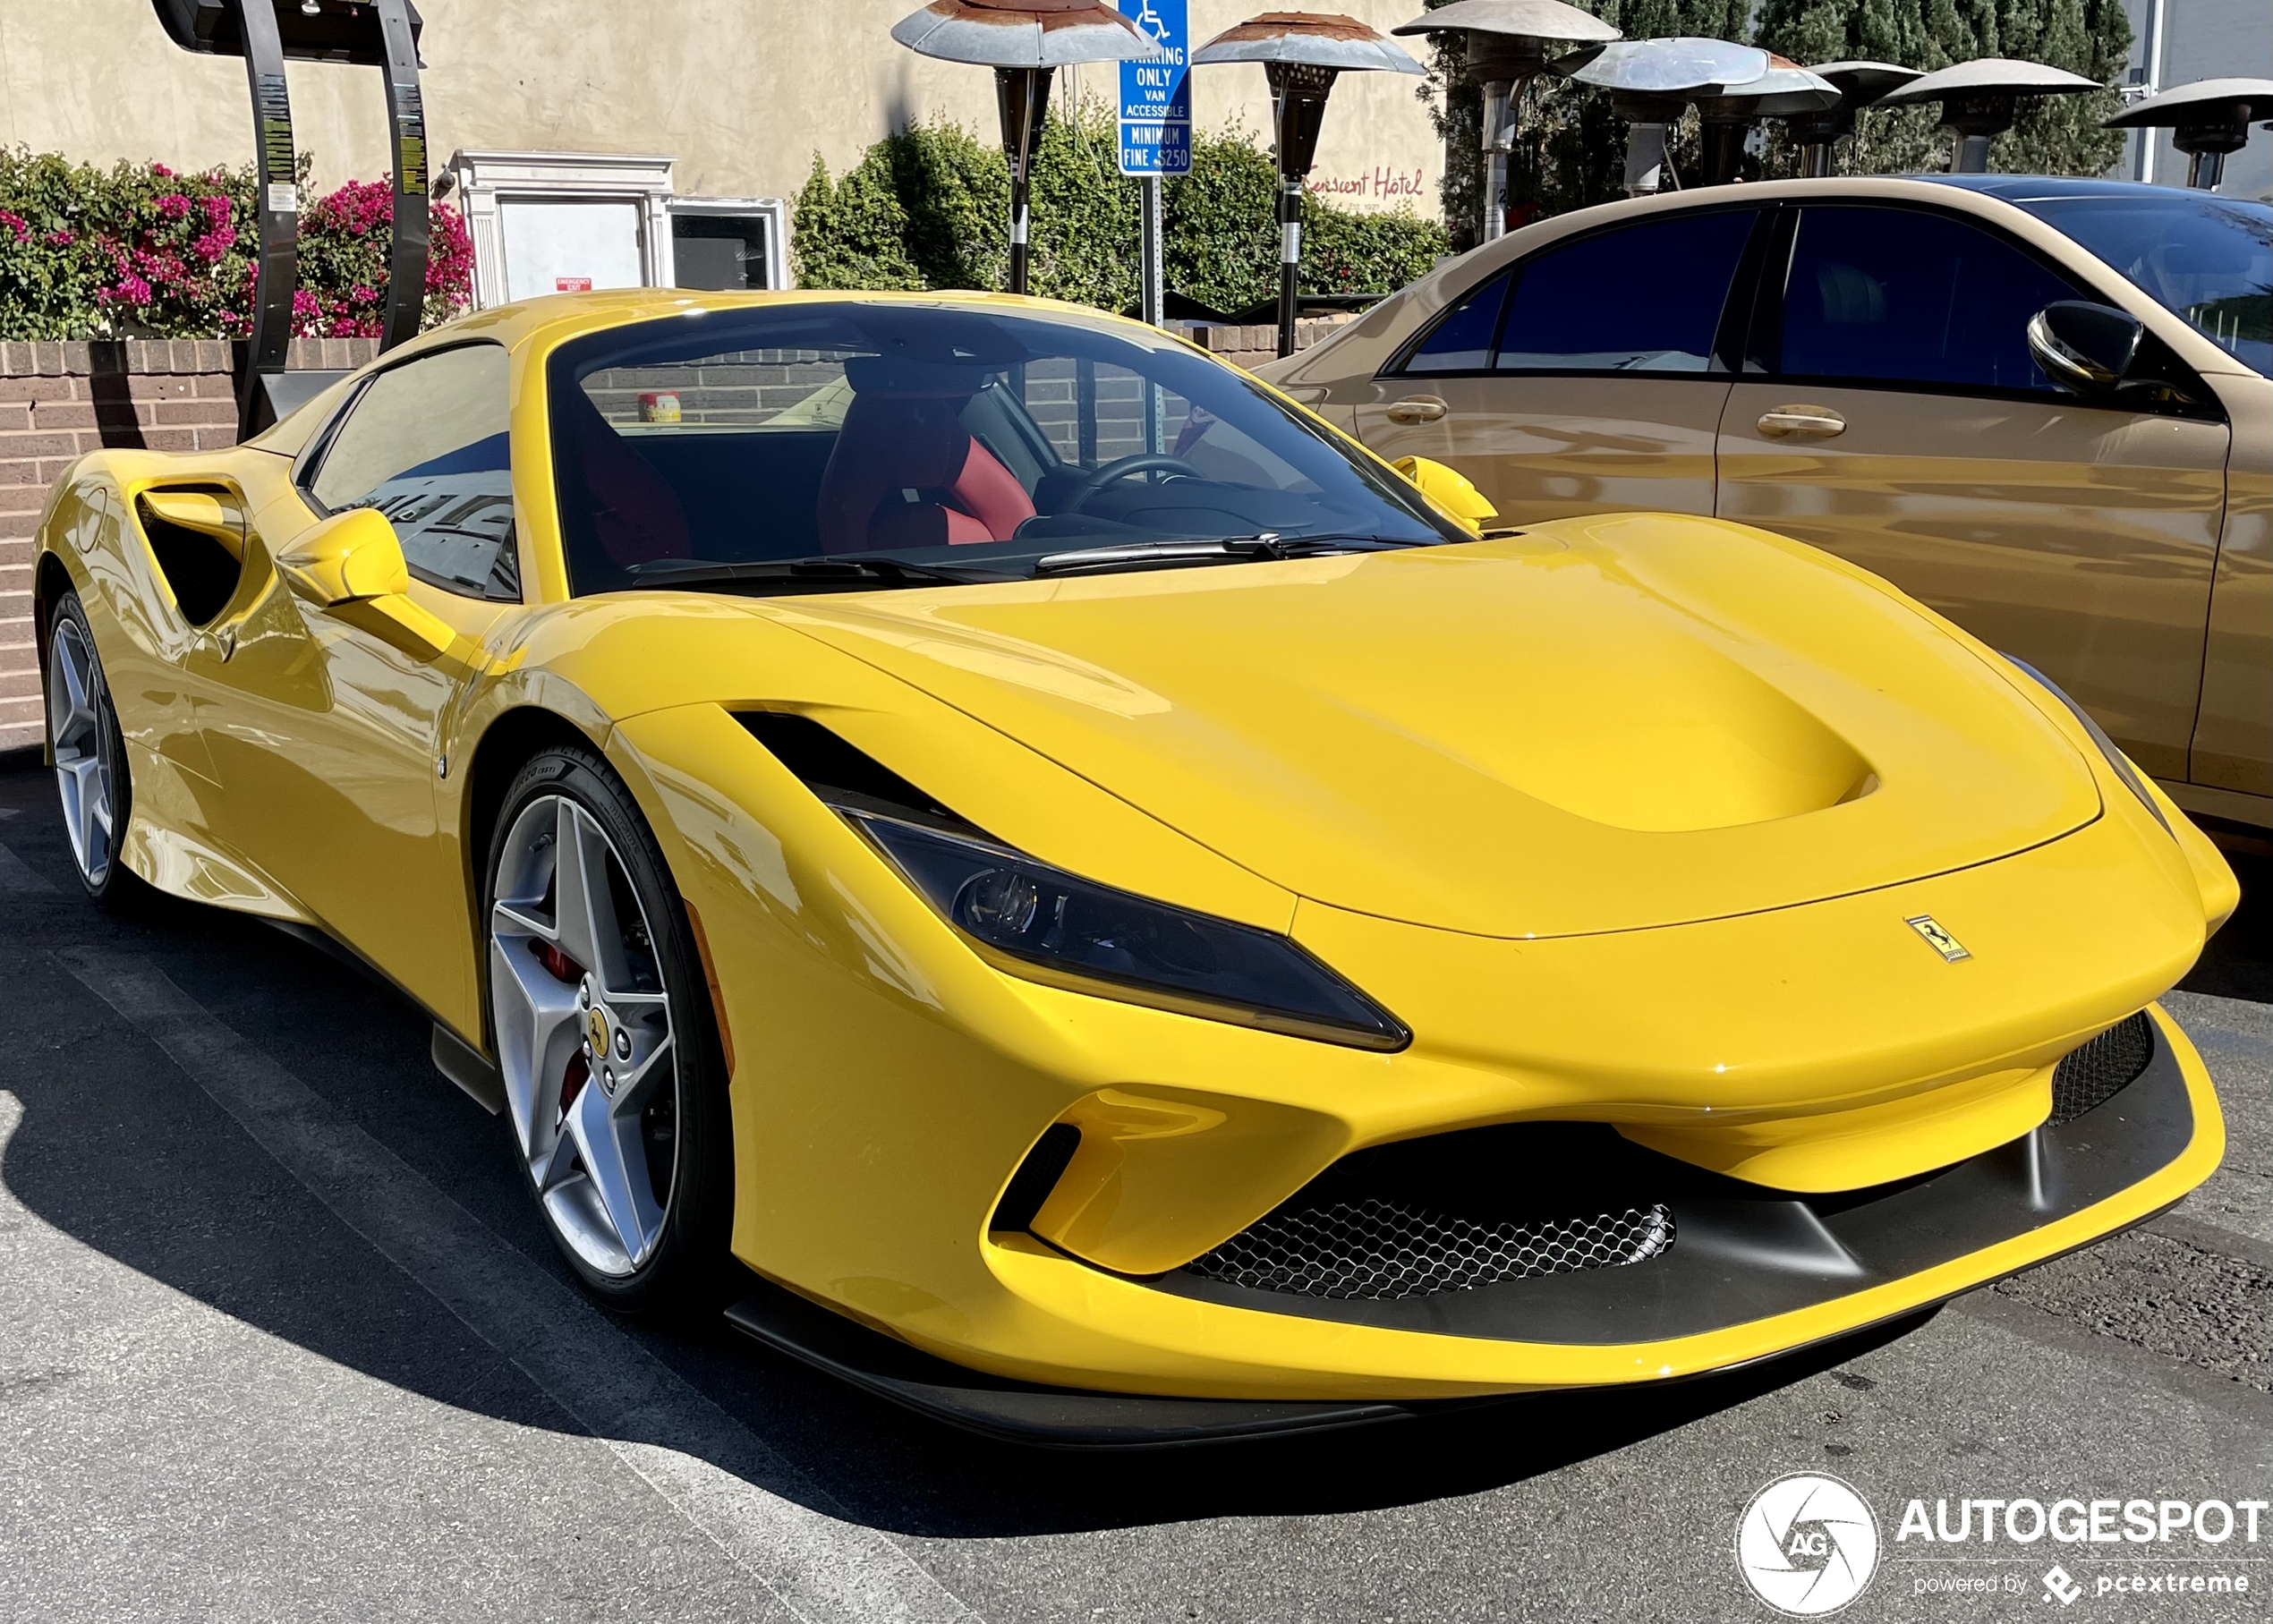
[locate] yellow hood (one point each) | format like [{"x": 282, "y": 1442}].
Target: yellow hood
[{"x": 1603, "y": 724}]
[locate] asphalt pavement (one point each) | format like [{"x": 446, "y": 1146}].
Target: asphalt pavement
[{"x": 282, "y": 1339}]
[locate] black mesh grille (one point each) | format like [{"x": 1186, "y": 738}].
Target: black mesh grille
[
  {"x": 2092, "y": 1075},
  {"x": 1383, "y": 1249}
]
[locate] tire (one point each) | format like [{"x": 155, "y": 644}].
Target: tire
[
  {"x": 90, "y": 752},
  {"x": 600, "y": 1020}
]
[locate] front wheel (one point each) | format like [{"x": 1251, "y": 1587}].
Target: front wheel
[
  {"x": 89, "y": 753},
  {"x": 604, "y": 1035}
]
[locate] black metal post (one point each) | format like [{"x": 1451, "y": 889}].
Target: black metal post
[
  {"x": 406, "y": 124},
  {"x": 1298, "y": 92},
  {"x": 1022, "y": 97},
  {"x": 276, "y": 200}
]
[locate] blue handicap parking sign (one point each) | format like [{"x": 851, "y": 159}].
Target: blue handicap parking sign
[{"x": 1156, "y": 95}]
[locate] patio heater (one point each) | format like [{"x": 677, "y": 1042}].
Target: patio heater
[
  {"x": 1981, "y": 99},
  {"x": 1302, "y": 54},
  {"x": 1650, "y": 81},
  {"x": 383, "y": 34},
  {"x": 2206, "y": 120},
  {"x": 1026, "y": 42},
  {"x": 1787, "y": 90},
  {"x": 1509, "y": 42},
  {"x": 1860, "y": 84}
]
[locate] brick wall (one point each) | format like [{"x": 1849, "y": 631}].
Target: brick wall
[{"x": 60, "y": 400}]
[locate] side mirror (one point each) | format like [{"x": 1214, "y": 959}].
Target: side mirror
[
  {"x": 2085, "y": 348},
  {"x": 353, "y": 565},
  {"x": 349, "y": 557},
  {"x": 1449, "y": 491}
]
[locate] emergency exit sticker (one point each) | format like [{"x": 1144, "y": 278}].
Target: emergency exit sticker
[{"x": 572, "y": 284}]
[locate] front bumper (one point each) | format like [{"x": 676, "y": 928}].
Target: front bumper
[{"x": 1754, "y": 1273}]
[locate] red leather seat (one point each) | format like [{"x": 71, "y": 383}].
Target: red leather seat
[
  {"x": 893, "y": 444},
  {"x": 636, "y": 515}
]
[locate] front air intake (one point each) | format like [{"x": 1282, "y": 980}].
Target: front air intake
[
  {"x": 1373, "y": 1249},
  {"x": 2094, "y": 1074}
]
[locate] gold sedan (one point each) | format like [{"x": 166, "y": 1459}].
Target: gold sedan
[{"x": 2039, "y": 406}]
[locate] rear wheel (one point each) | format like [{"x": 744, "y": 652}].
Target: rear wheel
[
  {"x": 89, "y": 754},
  {"x": 604, "y": 1037}
]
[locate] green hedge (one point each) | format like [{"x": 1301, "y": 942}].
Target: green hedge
[
  {"x": 929, "y": 209},
  {"x": 138, "y": 250}
]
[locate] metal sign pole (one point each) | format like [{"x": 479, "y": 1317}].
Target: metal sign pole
[
  {"x": 1156, "y": 291},
  {"x": 1156, "y": 135},
  {"x": 276, "y": 198},
  {"x": 406, "y": 123}
]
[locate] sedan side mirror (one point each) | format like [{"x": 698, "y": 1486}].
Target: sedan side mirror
[
  {"x": 349, "y": 557},
  {"x": 2085, "y": 348}
]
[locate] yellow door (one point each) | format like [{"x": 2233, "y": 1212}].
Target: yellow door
[
  {"x": 1587, "y": 378},
  {"x": 1891, "y": 414},
  {"x": 324, "y": 725}
]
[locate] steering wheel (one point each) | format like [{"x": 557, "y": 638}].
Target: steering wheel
[{"x": 1121, "y": 468}]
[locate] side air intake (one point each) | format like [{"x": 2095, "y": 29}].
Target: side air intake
[{"x": 2097, "y": 1071}]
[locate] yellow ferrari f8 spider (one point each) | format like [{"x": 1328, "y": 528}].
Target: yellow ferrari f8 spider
[{"x": 1130, "y": 918}]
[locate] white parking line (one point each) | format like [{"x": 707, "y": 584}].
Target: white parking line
[{"x": 708, "y": 1467}]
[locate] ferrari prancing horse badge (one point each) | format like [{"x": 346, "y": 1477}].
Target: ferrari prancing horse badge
[{"x": 1938, "y": 938}]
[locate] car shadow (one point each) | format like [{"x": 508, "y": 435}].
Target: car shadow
[{"x": 121, "y": 1150}]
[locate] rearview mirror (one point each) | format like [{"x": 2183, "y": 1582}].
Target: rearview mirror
[
  {"x": 2084, "y": 347},
  {"x": 349, "y": 557},
  {"x": 1449, "y": 491}
]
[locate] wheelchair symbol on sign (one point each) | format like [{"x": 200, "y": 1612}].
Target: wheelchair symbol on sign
[{"x": 1151, "y": 22}]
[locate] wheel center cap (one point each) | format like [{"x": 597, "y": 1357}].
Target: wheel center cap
[{"x": 596, "y": 1030}]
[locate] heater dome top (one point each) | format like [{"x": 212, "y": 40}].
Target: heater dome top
[{"x": 1022, "y": 33}]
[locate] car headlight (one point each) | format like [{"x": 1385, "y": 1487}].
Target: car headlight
[
  {"x": 2116, "y": 758},
  {"x": 1051, "y": 926}
]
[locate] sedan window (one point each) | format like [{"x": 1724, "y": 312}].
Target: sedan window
[
  {"x": 2209, "y": 260},
  {"x": 426, "y": 444},
  {"x": 1889, "y": 295},
  {"x": 1646, "y": 298},
  {"x": 1462, "y": 341}
]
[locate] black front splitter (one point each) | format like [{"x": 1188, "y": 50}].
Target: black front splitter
[{"x": 1017, "y": 1412}]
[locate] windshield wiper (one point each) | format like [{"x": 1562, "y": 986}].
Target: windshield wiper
[
  {"x": 1226, "y": 549},
  {"x": 826, "y": 574}
]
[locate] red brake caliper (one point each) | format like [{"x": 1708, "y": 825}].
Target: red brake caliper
[{"x": 567, "y": 971}]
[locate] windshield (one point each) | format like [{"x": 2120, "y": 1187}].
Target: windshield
[
  {"x": 2209, "y": 259},
  {"x": 808, "y": 446}
]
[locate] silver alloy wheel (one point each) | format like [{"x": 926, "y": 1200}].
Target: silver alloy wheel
[
  {"x": 583, "y": 1029},
  {"x": 79, "y": 728}
]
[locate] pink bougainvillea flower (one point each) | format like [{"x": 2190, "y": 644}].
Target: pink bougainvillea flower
[
  {"x": 60, "y": 239},
  {"x": 16, "y": 223},
  {"x": 174, "y": 205},
  {"x": 219, "y": 210}
]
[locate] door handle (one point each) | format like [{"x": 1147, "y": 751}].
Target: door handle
[
  {"x": 1810, "y": 422},
  {"x": 1417, "y": 408}
]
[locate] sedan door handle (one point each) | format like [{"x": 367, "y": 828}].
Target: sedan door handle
[
  {"x": 1813, "y": 422},
  {"x": 1417, "y": 408}
]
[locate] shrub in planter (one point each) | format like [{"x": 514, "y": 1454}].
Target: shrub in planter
[
  {"x": 929, "y": 207},
  {"x": 139, "y": 251}
]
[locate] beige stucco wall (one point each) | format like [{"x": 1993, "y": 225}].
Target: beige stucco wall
[{"x": 743, "y": 92}]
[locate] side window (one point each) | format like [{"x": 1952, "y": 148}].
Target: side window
[
  {"x": 1646, "y": 298},
  {"x": 1902, "y": 297},
  {"x": 1461, "y": 341},
  {"x": 426, "y": 444}
]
